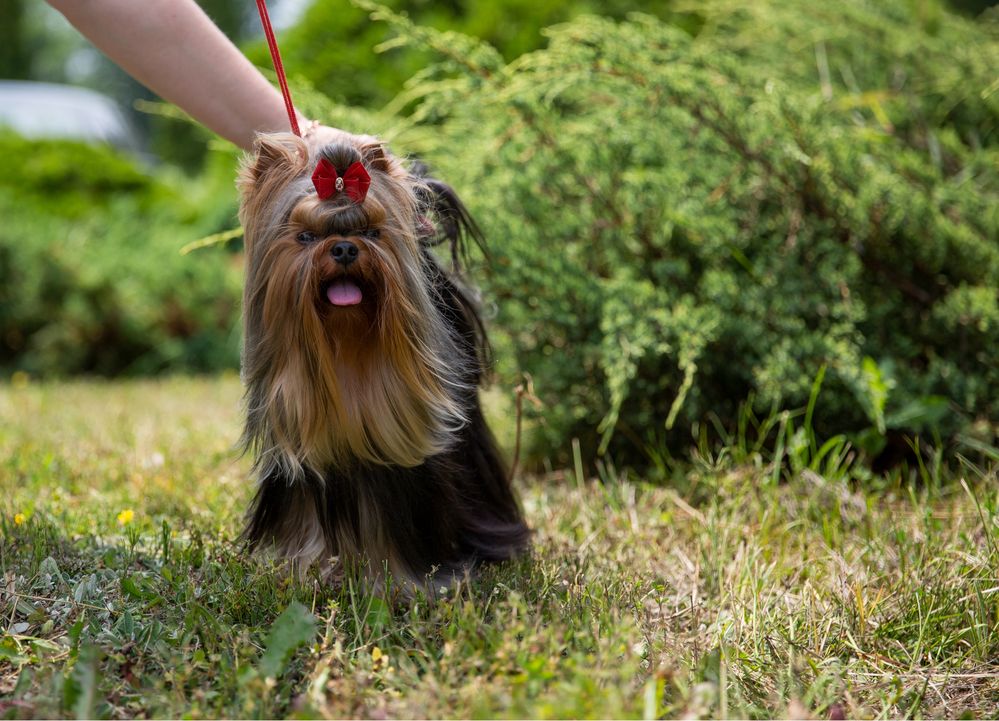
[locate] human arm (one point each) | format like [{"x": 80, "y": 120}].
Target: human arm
[{"x": 175, "y": 50}]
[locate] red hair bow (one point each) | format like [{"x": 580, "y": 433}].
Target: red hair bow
[{"x": 354, "y": 182}]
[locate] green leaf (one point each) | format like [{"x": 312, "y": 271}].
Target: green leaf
[
  {"x": 293, "y": 628},
  {"x": 10, "y": 651},
  {"x": 378, "y": 614},
  {"x": 80, "y": 689},
  {"x": 876, "y": 393},
  {"x": 137, "y": 588},
  {"x": 919, "y": 414}
]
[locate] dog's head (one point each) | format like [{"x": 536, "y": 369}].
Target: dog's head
[{"x": 346, "y": 356}]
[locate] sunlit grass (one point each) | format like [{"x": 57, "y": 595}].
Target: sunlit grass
[{"x": 728, "y": 591}]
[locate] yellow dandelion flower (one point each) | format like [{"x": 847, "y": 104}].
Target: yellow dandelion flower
[
  {"x": 18, "y": 519},
  {"x": 125, "y": 517},
  {"x": 376, "y": 654}
]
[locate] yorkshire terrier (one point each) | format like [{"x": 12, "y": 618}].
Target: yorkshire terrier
[{"x": 362, "y": 361}]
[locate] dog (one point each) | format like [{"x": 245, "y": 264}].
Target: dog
[{"x": 362, "y": 361}]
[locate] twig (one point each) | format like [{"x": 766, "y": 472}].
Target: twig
[{"x": 524, "y": 389}]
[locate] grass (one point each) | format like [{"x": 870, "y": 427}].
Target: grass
[{"x": 728, "y": 588}]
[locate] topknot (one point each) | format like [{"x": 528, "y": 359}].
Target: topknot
[{"x": 342, "y": 155}]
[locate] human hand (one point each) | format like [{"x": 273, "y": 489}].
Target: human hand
[{"x": 316, "y": 136}]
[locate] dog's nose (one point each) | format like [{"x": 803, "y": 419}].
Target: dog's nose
[{"x": 344, "y": 252}]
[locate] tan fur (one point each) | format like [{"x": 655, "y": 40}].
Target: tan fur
[
  {"x": 372, "y": 453},
  {"x": 370, "y": 373}
]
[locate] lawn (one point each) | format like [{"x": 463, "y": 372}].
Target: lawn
[{"x": 727, "y": 588}]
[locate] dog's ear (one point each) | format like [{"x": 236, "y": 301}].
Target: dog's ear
[
  {"x": 274, "y": 155},
  {"x": 444, "y": 216},
  {"x": 377, "y": 157}
]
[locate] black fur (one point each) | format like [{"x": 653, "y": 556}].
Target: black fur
[
  {"x": 452, "y": 512},
  {"x": 453, "y": 223}
]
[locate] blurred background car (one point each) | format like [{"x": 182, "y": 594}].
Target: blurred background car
[{"x": 50, "y": 110}]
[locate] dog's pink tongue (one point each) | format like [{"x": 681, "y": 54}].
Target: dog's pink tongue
[{"x": 344, "y": 292}]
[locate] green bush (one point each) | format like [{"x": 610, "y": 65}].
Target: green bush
[
  {"x": 91, "y": 278},
  {"x": 68, "y": 178},
  {"x": 333, "y": 46},
  {"x": 683, "y": 212},
  {"x": 681, "y": 221}
]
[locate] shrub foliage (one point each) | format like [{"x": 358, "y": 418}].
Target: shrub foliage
[
  {"x": 331, "y": 47},
  {"x": 724, "y": 202},
  {"x": 687, "y": 214},
  {"x": 91, "y": 280}
]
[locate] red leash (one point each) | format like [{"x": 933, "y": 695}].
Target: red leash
[{"x": 265, "y": 20}]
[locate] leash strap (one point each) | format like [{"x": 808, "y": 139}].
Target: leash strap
[{"x": 265, "y": 20}]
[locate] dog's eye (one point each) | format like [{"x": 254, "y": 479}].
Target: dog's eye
[
  {"x": 306, "y": 237},
  {"x": 371, "y": 233}
]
